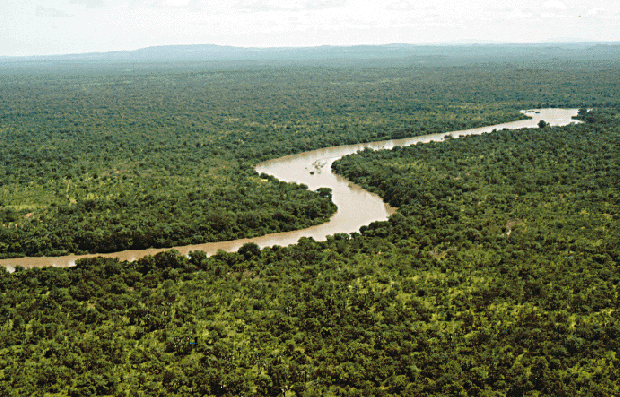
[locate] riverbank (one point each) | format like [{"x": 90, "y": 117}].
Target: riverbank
[{"x": 356, "y": 206}]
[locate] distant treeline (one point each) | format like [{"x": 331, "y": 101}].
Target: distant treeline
[{"x": 201, "y": 56}]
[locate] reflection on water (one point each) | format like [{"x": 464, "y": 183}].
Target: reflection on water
[{"x": 356, "y": 206}]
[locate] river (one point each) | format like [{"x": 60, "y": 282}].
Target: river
[{"x": 356, "y": 206}]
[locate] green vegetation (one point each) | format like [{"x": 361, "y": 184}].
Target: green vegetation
[
  {"x": 100, "y": 160},
  {"x": 497, "y": 276},
  {"x": 99, "y": 163},
  {"x": 491, "y": 280}
]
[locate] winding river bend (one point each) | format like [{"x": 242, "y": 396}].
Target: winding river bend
[{"x": 356, "y": 206}]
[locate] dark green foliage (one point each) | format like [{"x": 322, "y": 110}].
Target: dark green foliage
[
  {"x": 498, "y": 275},
  {"x": 98, "y": 160},
  {"x": 489, "y": 288}
]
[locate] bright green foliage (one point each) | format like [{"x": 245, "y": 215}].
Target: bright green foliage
[{"x": 482, "y": 284}]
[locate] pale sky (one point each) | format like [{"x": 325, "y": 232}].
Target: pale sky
[{"x": 45, "y": 27}]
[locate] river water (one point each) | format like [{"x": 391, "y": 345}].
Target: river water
[{"x": 356, "y": 206}]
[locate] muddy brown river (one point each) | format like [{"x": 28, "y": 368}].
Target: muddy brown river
[{"x": 356, "y": 206}]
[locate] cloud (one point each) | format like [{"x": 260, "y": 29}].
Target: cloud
[
  {"x": 288, "y": 5},
  {"x": 595, "y": 11},
  {"x": 89, "y": 3},
  {"x": 51, "y": 12},
  {"x": 551, "y": 15},
  {"x": 260, "y": 6},
  {"x": 177, "y": 3},
  {"x": 322, "y": 4},
  {"x": 405, "y": 5},
  {"x": 520, "y": 14},
  {"x": 556, "y": 4}
]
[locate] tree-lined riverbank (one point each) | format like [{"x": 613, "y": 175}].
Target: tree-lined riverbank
[{"x": 356, "y": 207}]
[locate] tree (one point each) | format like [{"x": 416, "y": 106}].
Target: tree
[
  {"x": 325, "y": 192},
  {"x": 543, "y": 124},
  {"x": 249, "y": 251}
]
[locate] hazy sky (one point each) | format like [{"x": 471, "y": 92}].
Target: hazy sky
[{"x": 41, "y": 27}]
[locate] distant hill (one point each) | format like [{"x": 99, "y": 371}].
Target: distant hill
[{"x": 417, "y": 53}]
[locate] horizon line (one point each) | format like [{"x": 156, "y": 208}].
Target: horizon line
[{"x": 438, "y": 43}]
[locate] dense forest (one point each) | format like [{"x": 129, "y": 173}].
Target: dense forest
[
  {"x": 498, "y": 276},
  {"x": 100, "y": 160}
]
